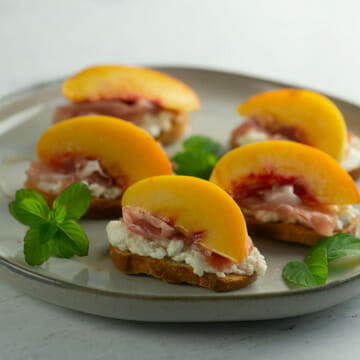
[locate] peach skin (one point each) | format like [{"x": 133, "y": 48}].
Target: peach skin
[
  {"x": 311, "y": 118},
  {"x": 316, "y": 175},
  {"x": 197, "y": 208},
  {"x": 126, "y": 83}
]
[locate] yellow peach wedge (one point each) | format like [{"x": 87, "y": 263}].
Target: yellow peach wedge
[
  {"x": 128, "y": 84},
  {"x": 314, "y": 115},
  {"x": 197, "y": 208},
  {"x": 125, "y": 150},
  {"x": 316, "y": 175}
]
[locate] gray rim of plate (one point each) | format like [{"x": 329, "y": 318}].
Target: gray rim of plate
[{"x": 32, "y": 275}]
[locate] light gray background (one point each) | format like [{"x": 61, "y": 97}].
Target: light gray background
[{"x": 309, "y": 43}]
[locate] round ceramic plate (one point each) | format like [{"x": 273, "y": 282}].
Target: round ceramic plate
[{"x": 92, "y": 284}]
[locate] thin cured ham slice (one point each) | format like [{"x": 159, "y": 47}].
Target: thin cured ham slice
[
  {"x": 67, "y": 169},
  {"x": 271, "y": 129},
  {"x": 149, "y": 226},
  {"x": 284, "y": 202},
  {"x": 129, "y": 111}
]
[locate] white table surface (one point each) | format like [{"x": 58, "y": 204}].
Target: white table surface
[{"x": 310, "y": 43}]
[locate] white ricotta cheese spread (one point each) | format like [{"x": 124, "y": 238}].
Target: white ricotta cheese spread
[
  {"x": 346, "y": 214},
  {"x": 155, "y": 124},
  {"x": 352, "y": 160},
  {"x": 91, "y": 167},
  {"x": 51, "y": 187},
  {"x": 96, "y": 190},
  {"x": 174, "y": 249},
  {"x": 251, "y": 136},
  {"x": 100, "y": 191}
]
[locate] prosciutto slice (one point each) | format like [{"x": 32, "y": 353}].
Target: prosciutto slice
[
  {"x": 149, "y": 226},
  {"x": 272, "y": 130},
  {"x": 129, "y": 111},
  {"x": 283, "y": 201},
  {"x": 69, "y": 169}
]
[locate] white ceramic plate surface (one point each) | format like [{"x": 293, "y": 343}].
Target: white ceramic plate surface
[{"x": 92, "y": 284}]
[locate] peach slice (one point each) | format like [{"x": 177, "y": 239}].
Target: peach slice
[
  {"x": 315, "y": 175},
  {"x": 129, "y": 83},
  {"x": 125, "y": 150},
  {"x": 313, "y": 114},
  {"x": 197, "y": 208}
]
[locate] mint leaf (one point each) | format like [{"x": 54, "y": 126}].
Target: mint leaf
[
  {"x": 315, "y": 270},
  {"x": 34, "y": 210},
  {"x": 29, "y": 194},
  {"x": 317, "y": 264},
  {"x": 56, "y": 230},
  {"x": 30, "y": 211},
  {"x": 201, "y": 143},
  {"x": 59, "y": 214},
  {"x": 71, "y": 239},
  {"x": 47, "y": 232},
  {"x": 298, "y": 273},
  {"x": 63, "y": 248},
  {"x": 339, "y": 245},
  {"x": 194, "y": 163},
  {"x": 37, "y": 252},
  {"x": 76, "y": 198}
]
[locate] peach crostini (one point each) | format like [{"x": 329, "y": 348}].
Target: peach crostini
[
  {"x": 302, "y": 116},
  {"x": 152, "y": 100},
  {"x": 105, "y": 153},
  {"x": 184, "y": 229},
  {"x": 289, "y": 191}
]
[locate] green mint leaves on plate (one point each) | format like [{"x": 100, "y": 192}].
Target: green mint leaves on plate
[
  {"x": 314, "y": 271},
  {"x": 198, "y": 158},
  {"x": 52, "y": 231}
]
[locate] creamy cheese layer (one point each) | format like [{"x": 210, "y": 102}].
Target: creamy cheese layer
[
  {"x": 251, "y": 136},
  {"x": 352, "y": 160},
  {"x": 175, "y": 249},
  {"x": 100, "y": 191},
  {"x": 96, "y": 190},
  {"x": 155, "y": 124},
  {"x": 344, "y": 217},
  {"x": 54, "y": 183}
]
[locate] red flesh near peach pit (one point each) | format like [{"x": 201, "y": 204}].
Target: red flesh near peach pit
[{"x": 256, "y": 182}]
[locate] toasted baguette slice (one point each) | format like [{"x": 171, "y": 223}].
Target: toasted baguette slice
[
  {"x": 99, "y": 208},
  {"x": 290, "y": 232},
  {"x": 173, "y": 272}
]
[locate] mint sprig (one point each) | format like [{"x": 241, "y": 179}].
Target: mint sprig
[
  {"x": 198, "y": 157},
  {"x": 52, "y": 231},
  {"x": 314, "y": 271}
]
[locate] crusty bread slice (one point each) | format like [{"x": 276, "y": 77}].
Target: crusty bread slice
[
  {"x": 176, "y": 132},
  {"x": 290, "y": 232},
  {"x": 173, "y": 272},
  {"x": 99, "y": 208}
]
